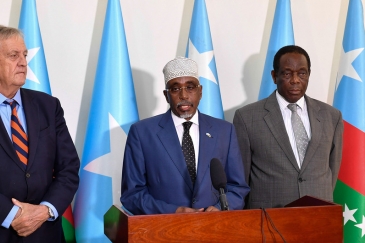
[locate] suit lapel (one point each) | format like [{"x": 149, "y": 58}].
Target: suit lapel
[
  {"x": 207, "y": 141},
  {"x": 170, "y": 141},
  {"x": 32, "y": 117},
  {"x": 316, "y": 130},
  {"x": 275, "y": 122}
]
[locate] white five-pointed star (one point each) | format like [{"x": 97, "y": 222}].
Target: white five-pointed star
[
  {"x": 203, "y": 60},
  {"x": 348, "y": 215},
  {"x": 111, "y": 164},
  {"x": 362, "y": 226},
  {"x": 30, "y": 74},
  {"x": 346, "y": 68}
]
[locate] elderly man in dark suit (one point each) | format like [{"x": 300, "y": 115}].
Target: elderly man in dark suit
[
  {"x": 291, "y": 144},
  {"x": 38, "y": 160},
  {"x": 159, "y": 174}
]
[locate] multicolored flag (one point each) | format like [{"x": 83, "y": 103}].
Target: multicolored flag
[
  {"x": 113, "y": 110},
  {"x": 350, "y": 100},
  {"x": 281, "y": 35},
  {"x": 37, "y": 79},
  {"x": 200, "y": 49},
  {"x": 68, "y": 225}
]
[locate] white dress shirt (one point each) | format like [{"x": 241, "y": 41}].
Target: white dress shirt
[
  {"x": 194, "y": 132},
  {"x": 286, "y": 113}
]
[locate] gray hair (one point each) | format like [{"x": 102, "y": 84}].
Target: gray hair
[{"x": 8, "y": 32}]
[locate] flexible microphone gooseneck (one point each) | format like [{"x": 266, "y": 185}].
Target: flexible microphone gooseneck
[{"x": 219, "y": 181}]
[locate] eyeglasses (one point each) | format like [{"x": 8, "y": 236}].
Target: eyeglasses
[{"x": 191, "y": 89}]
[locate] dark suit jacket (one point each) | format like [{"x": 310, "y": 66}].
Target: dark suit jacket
[
  {"x": 155, "y": 177},
  {"x": 270, "y": 165},
  {"x": 51, "y": 154}
]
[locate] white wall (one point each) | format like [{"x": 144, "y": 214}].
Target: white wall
[{"x": 157, "y": 31}]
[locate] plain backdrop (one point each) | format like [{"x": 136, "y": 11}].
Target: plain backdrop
[{"x": 157, "y": 31}]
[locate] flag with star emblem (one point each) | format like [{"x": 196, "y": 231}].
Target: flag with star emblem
[
  {"x": 200, "y": 49},
  {"x": 37, "y": 79},
  {"x": 281, "y": 35},
  {"x": 113, "y": 110},
  {"x": 37, "y": 73},
  {"x": 350, "y": 100}
]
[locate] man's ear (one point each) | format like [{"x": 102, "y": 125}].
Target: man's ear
[
  {"x": 166, "y": 96},
  {"x": 201, "y": 92},
  {"x": 273, "y": 75}
]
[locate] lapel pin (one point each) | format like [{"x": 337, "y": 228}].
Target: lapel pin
[{"x": 208, "y": 134}]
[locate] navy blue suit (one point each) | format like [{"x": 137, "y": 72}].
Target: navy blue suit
[
  {"x": 52, "y": 171},
  {"x": 155, "y": 177}
]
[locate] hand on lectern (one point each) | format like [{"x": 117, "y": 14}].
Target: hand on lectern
[
  {"x": 212, "y": 209},
  {"x": 189, "y": 210}
]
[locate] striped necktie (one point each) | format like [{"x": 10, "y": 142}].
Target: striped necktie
[{"x": 18, "y": 135}]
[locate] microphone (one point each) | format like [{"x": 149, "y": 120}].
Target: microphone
[{"x": 219, "y": 181}]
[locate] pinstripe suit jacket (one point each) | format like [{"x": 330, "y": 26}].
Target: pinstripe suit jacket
[
  {"x": 270, "y": 165},
  {"x": 52, "y": 171}
]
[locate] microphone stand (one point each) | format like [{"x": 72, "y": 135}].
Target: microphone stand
[{"x": 223, "y": 200}]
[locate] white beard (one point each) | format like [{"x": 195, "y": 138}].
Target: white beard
[{"x": 186, "y": 115}]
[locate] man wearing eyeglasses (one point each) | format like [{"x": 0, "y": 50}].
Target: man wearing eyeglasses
[
  {"x": 291, "y": 144},
  {"x": 167, "y": 157}
]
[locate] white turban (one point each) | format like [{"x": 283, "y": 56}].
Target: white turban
[{"x": 180, "y": 67}]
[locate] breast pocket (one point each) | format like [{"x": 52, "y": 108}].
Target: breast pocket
[
  {"x": 44, "y": 132},
  {"x": 46, "y": 146}
]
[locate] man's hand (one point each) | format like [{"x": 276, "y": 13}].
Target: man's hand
[
  {"x": 211, "y": 209},
  {"x": 188, "y": 210},
  {"x": 31, "y": 217}
]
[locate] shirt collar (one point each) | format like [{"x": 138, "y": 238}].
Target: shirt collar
[
  {"x": 283, "y": 103},
  {"x": 179, "y": 121},
  {"x": 17, "y": 97}
]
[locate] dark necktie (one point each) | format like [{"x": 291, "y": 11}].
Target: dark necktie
[
  {"x": 188, "y": 151},
  {"x": 301, "y": 137},
  {"x": 18, "y": 135}
]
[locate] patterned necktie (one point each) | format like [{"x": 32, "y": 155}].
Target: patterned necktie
[
  {"x": 188, "y": 151},
  {"x": 301, "y": 137},
  {"x": 20, "y": 139}
]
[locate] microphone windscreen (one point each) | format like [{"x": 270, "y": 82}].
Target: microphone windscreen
[{"x": 217, "y": 174}]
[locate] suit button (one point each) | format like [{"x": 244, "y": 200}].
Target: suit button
[
  {"x": 300, "y": 180},
  {"x": 194, "y": 201},
  {"x": 27, "y": 175}
]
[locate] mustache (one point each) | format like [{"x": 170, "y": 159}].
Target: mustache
[{"x": 184, "y": 103}]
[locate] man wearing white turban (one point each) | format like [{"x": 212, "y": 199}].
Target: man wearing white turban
[{"x": 167, "y": 157}]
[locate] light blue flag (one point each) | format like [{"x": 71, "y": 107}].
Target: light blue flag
[
  {"x": 37, "y": 74},
  {"x": 200, "y": 49},
  {"x": 350, "y": 86},
  {"x": 281, "y": 35},
  {"x": 113, "y": 110}
]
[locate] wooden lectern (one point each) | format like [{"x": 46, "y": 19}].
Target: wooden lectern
[{"x": 306, "y": 220}]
